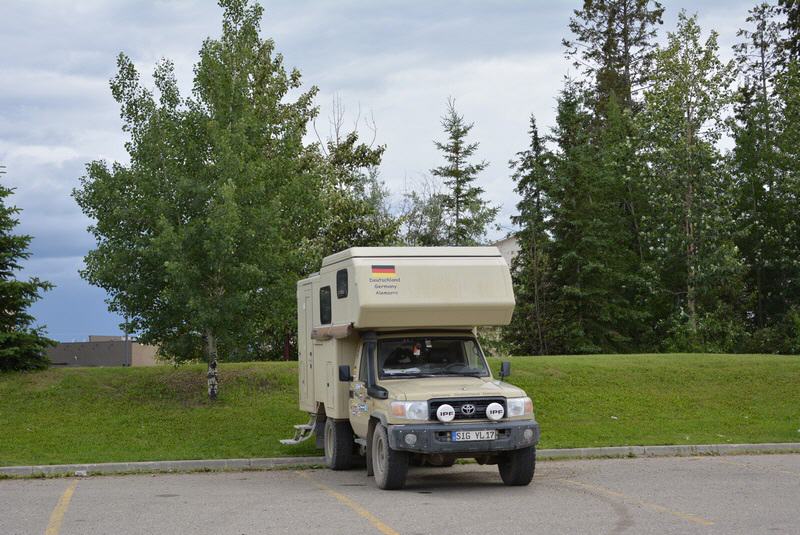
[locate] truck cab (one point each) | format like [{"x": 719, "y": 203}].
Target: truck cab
[{"x": 397, "y": 374}]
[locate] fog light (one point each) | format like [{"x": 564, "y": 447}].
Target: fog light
[
  {"x": 411, "y": 439},
  {"x": 528, "y": 434}
]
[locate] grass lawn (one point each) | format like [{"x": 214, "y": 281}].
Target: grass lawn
[{"x": 135, "y": 414}]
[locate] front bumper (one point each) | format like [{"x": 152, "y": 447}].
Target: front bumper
[{"x": 436, "y": 437}]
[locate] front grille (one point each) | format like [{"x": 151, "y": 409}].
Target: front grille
[{"x": 480, "y": 405}]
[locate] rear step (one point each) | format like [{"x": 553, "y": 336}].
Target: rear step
[{"x": 302, "y": 432}]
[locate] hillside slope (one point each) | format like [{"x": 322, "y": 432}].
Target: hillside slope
[{"x": 135, "y": 414}]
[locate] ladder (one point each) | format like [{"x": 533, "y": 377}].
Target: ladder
[{"x": 301, "y": 432}]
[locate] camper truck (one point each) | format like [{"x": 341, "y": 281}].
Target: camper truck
[{"x": 391, "y": 368}]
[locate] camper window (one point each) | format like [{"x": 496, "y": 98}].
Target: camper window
[
  {"x": 325, "y": 305},
  {"x": 341, "y": 283}
]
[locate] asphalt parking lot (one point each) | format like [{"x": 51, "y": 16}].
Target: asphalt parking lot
[{"x": 732, "y": 494}]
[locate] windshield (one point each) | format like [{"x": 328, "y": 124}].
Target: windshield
[{"x": 430, "y": 356}]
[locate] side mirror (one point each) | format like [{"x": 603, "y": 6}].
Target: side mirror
[
  {"x": 505, "y": 369},
  {"x": 344, "y": 373}
]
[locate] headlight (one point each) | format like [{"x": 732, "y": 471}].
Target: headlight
[
  {"x": 410, "y": 410},
  {"x": 519, "y": 406}
]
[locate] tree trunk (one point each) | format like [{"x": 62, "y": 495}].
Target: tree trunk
[{"x": 211, "y": 356}]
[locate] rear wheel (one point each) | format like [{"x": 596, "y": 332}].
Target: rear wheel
[
  {"x": 517, "y": 466},
  {"x": 390, "y": 466},
  {"x": 338, "y": 444}
]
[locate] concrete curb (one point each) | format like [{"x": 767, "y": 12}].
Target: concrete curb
[
  {"x": 305, "y": 462},
  {"x": 668, "y": 451}
]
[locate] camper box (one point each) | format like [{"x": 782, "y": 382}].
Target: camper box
[{"x": 390, "y": 288}]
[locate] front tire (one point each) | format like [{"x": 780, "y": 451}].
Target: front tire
[
  {"x": 390, "y": 466},
  {"x": 338, "y": 444},
  {"x": 517, "y": 466}
]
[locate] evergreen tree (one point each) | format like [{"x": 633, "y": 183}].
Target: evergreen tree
[
  {"x": 788, "y": 191},
  {"x": 466, "y": 214},
  {"x": 590, "y": 258},
  {"x": 614, "y": 43},
  {"x": 356, "y": 201},
  {"x": 614, "y": 46},
  {"x": 22, "y": 346},
  {"x": 528, "y": 332},
  {"x": 692, "y": 193},
  {"x": 759, "y": 197}
]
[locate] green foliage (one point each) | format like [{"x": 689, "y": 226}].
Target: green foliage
[
  {"x": 423, "y": 216},
  {"x": 357, "y": 212},
  {"x": 761, "y": 198},
  {"x": 791, "y": 43},
  {"x": 201, "y": 238},
  {"x": 616, "y": 40},
  {"x": 528, "y": 332},
  {"x": 22, "y": 346},
  {"x": 691, "y": 222},
  {"x": 465, "y": 214}
]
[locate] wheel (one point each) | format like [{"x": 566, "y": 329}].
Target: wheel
[
  {"x": 517, "y": 466},
  {"x": 338, "y": 444},
  {"x": 390, "y": 466}
]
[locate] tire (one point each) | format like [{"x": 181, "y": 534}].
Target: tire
[
  {"x": 390, "y": 466},
  {"x": 517, "y": 466},
  {"x": 338, "y": 444}
]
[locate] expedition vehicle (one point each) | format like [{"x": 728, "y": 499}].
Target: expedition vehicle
[{"x": 391, "y": 368}]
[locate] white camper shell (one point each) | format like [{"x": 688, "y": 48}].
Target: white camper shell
[{"x": 390, "y": 288}]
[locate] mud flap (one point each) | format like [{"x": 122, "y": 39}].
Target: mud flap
[{"x": 370, "y": 471}]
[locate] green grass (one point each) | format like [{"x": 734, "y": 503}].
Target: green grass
[{"x": 135, "y": 414}]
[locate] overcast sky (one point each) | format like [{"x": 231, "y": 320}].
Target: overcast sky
[{"x": 397, "y": 61}]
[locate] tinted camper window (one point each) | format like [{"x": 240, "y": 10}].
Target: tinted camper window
[
  {"x": 341, "y": 283},
  {"x": 325, "y": 305}
]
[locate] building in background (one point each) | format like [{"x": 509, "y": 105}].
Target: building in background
[{"x": 103, "y": 351}]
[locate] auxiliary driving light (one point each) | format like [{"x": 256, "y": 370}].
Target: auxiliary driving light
[
  {"x": 411, "y": 439},
  {"x": 527, "y": 434}
]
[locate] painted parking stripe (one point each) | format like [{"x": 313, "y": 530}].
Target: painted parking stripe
[
  {"x": 57, "y": 516},
  {"x": 689, "y": 517},
  {"x": 353, "y": 505}
]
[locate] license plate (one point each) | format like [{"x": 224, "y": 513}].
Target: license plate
[{"x": 464, "y": 436}]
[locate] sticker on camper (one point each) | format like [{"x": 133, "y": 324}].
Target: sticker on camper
[{"x": 384, "y": 279}]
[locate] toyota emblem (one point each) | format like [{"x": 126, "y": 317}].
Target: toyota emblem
[{"x": 468, "y": 409}]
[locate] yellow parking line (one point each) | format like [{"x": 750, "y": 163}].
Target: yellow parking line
[
  {"x": 57, "y": 516},
  {"x": 648, "y": 505},
  {"x": 355, "y": 506}
]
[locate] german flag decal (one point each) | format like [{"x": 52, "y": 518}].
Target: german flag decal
[{"x": 383, "y": 271}]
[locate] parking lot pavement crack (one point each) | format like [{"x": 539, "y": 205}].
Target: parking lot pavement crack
[
  {"x": 597, "y": 489},
  {"x": 57, "y": 516},
  {"x": 353, "y": 505}
]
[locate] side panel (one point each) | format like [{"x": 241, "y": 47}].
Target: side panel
[{"x": 305, "y": 314}]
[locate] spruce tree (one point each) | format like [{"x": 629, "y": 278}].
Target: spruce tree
[
  {"x": 466, "y": 214},
  {"x": 22, "y": 346},
  {"x": 760, "y": 193},
  {"x": 614, "y": 44},
  {"x": 528, "y": 332}
]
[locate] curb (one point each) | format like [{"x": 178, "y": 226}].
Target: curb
[
  {"x": 306, "y": 462},
  {"x": 668, "y": 451}
]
